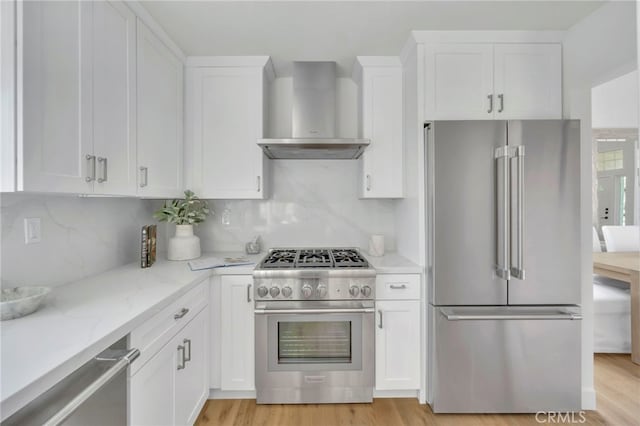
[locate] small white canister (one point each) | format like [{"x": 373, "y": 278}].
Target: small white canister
[{"x": 376, "y": 245}]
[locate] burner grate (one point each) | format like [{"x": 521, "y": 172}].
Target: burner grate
[
  {"x": 280, "y": 259},
  {"x": 348, "y": 258},
  {"x": 314, "y": 258}
]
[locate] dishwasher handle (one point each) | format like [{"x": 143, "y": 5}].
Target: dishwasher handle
[
  {"x": 452, "y": 316},
  {"x": 121, "y": 364}
]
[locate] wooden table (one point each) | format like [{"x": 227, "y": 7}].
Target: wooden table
[{"x": 624, "y": 266}]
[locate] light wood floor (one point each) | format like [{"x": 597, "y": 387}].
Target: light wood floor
[{"x": 617, "y": 382}]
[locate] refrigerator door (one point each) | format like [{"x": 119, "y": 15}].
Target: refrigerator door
[
  {"x": 505, "y": 359},
  {"x": 545, "y": 212},
  {"x": 463, "y": 192}
]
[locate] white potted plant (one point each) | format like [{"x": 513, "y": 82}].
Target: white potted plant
[{"x": 184, "y": 213}]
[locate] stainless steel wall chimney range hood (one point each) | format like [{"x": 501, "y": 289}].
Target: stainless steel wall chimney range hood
[{"x": 314, "y": 119}]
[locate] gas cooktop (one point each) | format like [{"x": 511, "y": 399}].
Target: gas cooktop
[{"x": 303, "y": 258}]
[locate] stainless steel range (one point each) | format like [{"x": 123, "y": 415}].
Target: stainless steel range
[{"x": 314, "y": 326}]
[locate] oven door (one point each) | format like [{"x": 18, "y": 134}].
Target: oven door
[{"x": 314, "y": 354}]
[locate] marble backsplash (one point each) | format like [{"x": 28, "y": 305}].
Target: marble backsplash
[
  {"x": 312, "y": 203},
  {"x": 80, "y": 237}
]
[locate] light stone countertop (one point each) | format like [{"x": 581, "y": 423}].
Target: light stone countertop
[
  {"x": 80, "y": 319},
  {"x": 393, "y": 263}
]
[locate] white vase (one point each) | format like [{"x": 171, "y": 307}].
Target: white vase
[{"x": 185, "y": 245}]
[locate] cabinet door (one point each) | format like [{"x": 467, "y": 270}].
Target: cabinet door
[
  {"x": 529, "y": 79},
  {"x": 237, "y": 337},
  {"x": 113, "y": 70},
  {"x": 382, "y": 175},
  {"x": 458, "y": 81},
  {"x": 152, "y": 390},
  {"x": 54, "y": 103},
  {"x": 192, "y": 381},
  {"x": 398, "y": 345},
  {"x": 159, "y": 114},
  {"x": 226, "y": 105}
]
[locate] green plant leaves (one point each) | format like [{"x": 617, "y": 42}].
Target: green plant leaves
[{"x": 189, "y": 211}]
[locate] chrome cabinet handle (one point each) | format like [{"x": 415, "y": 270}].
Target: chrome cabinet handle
[
  {"x": 368, "y": 182},
  {"x": 248, "y": 293},
  {"x": 91, "y": 165},
  {"x": 502, "y": 208},
  {"x": 518, "y": 270},
  {"x": 144, "y": 176},
  {"x": 490, "y": 110},
  {"x": 258, "y": 182},
  {"x": 398, "y": 286},
  {"x": 180, "y": 314},
  {"x": 187, "y": 345},
  {"x": 181, "y": 360},
  {"x": 380, "y": 323},
  {"x": 501, "y": 98},
  {"x": 103, "y": 161}
]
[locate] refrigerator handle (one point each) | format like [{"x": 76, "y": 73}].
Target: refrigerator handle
[
  {"x": 502, "y": 209},
  {"x": 452, "y": 316},
  {"x": 517, "y": 271}
]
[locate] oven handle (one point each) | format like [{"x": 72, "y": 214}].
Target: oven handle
[{"x": 315, "y": 311}]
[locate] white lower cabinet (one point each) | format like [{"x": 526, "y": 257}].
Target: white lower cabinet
[
  {"x": 171, "y": 388},
  {"x": 237, "y": 333},
  {"x": 398, "y": 332},
  {"x": 398, "y": 345}
]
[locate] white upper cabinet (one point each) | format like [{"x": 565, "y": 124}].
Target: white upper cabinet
[
  {"x": 159, "y": 114},
  {"x": 458, "y": 81},
  {"x": 225, "y": 110},
  {"x": 380, "y": 109},
  {"x": 54, "y": 107},
  {"x": 113, "y": 47},
  {"x": 528, "y": 81},
  {"x": 485, "y": 81},
  {"x": 76, "y": 98}
]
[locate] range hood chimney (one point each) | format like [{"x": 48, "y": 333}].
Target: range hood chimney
[{"x": 314, "y": 119}]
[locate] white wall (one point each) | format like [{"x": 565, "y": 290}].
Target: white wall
[
  {"x": 614, "y": 104},
  {"x": 597, "y": 49},
  {"x": 80, "y": 237},
  {"x": 312, "y": 203}
]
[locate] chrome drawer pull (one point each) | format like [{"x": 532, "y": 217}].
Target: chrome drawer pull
[
  {"x": 183, "y": 312},
  {"x": 380, "y": 323},
  {"x": 398, "y": 286}
]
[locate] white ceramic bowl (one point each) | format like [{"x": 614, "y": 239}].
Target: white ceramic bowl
[{"x": 17, "y": 302}]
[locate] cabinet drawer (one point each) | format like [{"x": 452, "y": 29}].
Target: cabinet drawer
[
  {"x": 158, "y": 330},
  {"x": 398, "y": 286}
]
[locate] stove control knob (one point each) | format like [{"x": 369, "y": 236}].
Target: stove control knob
[
  {"x": 274, "y": 291},
  {"x": 286, "y": 291},
  {"x": 306, "y": 291},
  {"x": 321, "y": 291},
  {"x": 262, "y": 291},
  {"x": 366, "y": 291},
  {"x": 354, "y": 291}
]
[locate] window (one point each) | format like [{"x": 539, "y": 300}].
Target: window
[{"x": 609, "y": 160}]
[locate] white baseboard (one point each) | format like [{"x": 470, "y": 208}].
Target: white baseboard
[
  {"x": 395, "y": 394},
  {"x": 588, "y": 399},
  {"x": 220, "y": 394}
]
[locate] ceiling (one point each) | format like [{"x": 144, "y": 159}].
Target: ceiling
[{"x": 340, "y": 30}]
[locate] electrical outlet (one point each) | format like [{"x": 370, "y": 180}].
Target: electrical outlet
[{"x": 32, "y": 230}]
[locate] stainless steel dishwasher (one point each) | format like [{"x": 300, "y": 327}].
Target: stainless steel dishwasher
[{"x": 93, "y": 395}]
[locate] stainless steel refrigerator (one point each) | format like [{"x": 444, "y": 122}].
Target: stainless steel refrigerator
[{"x": 503, "y": 209}]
